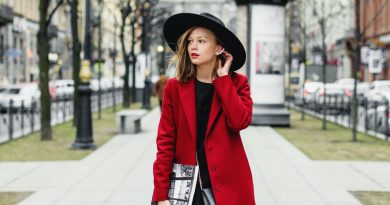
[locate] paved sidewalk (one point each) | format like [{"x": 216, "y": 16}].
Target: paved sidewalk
[{"x": 120, "y": 172}]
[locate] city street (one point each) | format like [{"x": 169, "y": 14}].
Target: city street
[{"x": 120, "y": 172}]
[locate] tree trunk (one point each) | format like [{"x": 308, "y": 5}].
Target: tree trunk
[
  {"x": 100, "y": 62},
  {"x": 289, "y": 93},
  {"x": 133, "y": 41},
  {"x": 126, "y": 89},
  {"x": 324, "y": 62},
  {"x": 43, "y": 51},
  {"x": 76, "y": 58},
  {"x": 324, "y": 105},
  {"x": 356, "y": 68}
]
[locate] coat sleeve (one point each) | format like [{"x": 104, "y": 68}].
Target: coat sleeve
[
  {"x": 166, "y": 137},
  {"x": 236, "y": 101}
]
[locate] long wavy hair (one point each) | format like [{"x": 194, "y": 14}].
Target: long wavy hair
[{"x": 185, "y": 69}]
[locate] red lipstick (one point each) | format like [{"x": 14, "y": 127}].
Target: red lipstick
[{"x": 194, "y": 55}]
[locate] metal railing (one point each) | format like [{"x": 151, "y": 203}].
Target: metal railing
[
  {"x": 372, "y": 115},
  {"x": 19, "y": 121}
]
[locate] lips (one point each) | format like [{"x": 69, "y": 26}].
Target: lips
[{"x": 194, "y": 55}]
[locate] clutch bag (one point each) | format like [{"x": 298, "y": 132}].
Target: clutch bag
[{"x": 182, "y": 184}]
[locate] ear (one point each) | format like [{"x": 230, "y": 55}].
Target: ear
[{"x": 219, "y": 50}]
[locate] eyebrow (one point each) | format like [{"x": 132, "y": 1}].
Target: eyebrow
[{"x": 198, "y": 37}]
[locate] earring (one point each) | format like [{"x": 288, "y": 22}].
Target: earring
[{"x": 219, "y": 53}]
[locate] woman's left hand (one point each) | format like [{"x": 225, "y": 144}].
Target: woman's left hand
[{"x": 224, "y": 70}]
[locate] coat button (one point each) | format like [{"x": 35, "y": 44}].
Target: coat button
[
  {"x": 210, "y": 149},
  {"x": 213, "y": 168},
  {"x": 218, "y": 188}
]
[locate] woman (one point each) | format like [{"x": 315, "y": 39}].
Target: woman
[{"x": 204, "y": 108}]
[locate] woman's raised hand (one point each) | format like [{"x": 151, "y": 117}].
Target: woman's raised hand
[{"x": 224, "y": 70}]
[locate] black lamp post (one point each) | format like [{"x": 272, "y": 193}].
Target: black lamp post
[
  {"x": 84, "y": 133},
  {"x": 88, "y": 31}
]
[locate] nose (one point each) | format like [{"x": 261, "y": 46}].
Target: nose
[{"x": 193, "y": 46}]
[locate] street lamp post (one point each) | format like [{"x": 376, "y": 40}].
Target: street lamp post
[
  {"x": 84, "y": 133},
  {"x": 88, "y": 31}
]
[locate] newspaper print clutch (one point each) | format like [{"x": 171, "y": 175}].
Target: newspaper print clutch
[{"x": 183, "y": 184}]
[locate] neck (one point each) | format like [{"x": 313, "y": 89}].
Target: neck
[{"x": 205, "y": 73}]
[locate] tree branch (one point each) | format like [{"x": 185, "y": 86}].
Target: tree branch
[
  {"x": 52, "y": 12},
  {"x": 382, "y": 8}
]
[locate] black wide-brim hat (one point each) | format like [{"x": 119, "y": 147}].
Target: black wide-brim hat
[{"x": 178, "y": 24}]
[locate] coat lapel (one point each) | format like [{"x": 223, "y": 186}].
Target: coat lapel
[
  {"x": 187, "y": 97},
  {"x": 214, "y": 110}
]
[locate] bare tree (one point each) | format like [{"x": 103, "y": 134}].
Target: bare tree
[
  {"x": 43, "y": 51},
  {"x": 323, "y": 17},
  {"x": 126, "y": 10},
  {"x": 302, "y": 33},
  {"x": 359, "y": 33},
  {"x": 131, "y": 14}
]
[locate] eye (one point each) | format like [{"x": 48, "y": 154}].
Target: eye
[
  {"x": 201, "y": 41},
  {"x": 190, "y": 41}
]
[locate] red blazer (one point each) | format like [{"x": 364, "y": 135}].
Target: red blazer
[{"x": 230, "y": 112}]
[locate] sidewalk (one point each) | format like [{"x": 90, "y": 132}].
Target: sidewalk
[{"x": 120, "y": 172}]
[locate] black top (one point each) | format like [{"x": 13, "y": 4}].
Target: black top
[{"x": 204, "y": 96}]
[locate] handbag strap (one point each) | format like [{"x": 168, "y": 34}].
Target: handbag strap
[{"x": 200, "y": 178}]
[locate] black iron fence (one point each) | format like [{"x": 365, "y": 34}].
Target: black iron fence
[
  {"x": 372, "y": 115},
  {"x": 18, "y": 120}
]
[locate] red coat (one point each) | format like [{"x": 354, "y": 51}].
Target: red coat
[{"x": 230, "y": 112}]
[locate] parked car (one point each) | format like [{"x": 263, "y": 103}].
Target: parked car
[
  {"x": 362, "y": 88},
  {"x": 64, "y": 88},
  {"x": 118, "y": 82},
  {"x": 335, "y": 95},
  {"x": 305, "y": 93},
  {"x": 27, "y": 93},
  {"x": 105, "y": 84},
  {"x": 348, "y": 85},
  {"x": 377, "y": 90},
  {"x": 376, "y": 117}
]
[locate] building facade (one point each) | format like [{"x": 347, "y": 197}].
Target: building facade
[
  {"x": 18, "y": 49},
  {"x": 375, "y": 29}
]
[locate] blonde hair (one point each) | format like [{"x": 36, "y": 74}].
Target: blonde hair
[{"x": 185, "y": 70}]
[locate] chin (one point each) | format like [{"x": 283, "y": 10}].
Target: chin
[{"x": 195, "y": 62}]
